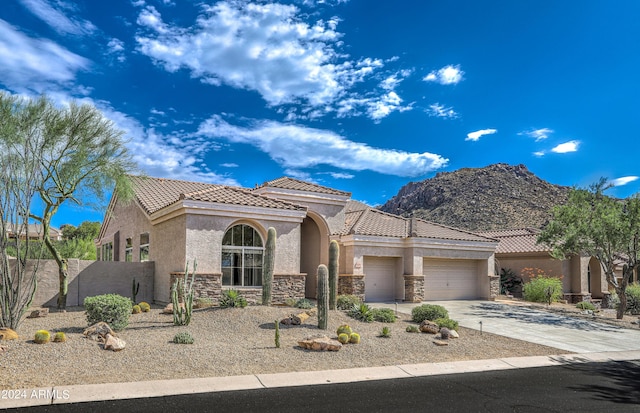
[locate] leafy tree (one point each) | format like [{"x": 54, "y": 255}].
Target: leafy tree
[
  {"x": 86, "y": 230},
  {"x": 594, "y": 224},
  {"x": 80, "y": 154}
]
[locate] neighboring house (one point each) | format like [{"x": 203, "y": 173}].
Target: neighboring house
[
  {"x": 383, "y": 257},
  {"x": 33, "y": 232},
  {"x": 582, "y": 276}
]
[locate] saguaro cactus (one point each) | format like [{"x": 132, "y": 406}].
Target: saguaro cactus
[
  {"x": 334, "y": 254},
  {"x": 323, "y": 296},
  {"x": 267, "y": 266}
]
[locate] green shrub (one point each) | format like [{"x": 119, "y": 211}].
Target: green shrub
[
  {"x": 304, "y": 304},
  {"x": 113, "y": 309},
  {"x": 361, "y": 312},
  {"x": 428, "y": 312},
  {"x": 614, "y": 300},
  {"x": 343, "y": 338},
  {"x": 59, "y": 337},
  {"x": 447, "y": 322},
  {"x": 145, "y": 307},
  {"x": 509, "y": 281},
  {"x": 354, "y": 338},
  {"x": 290, "y": 302},
  {"x": 202, "y": 302},
  {"x": 383, "y": 315},
  {"x": 586, "y": 305},
  {"x": 385, "y": 332},
  {"x": 542, "y": 289},
  {"x": 633, "y": 298},
  {"x": 344, "y": 329},
  {"x": 42, "y": 337},
  {"x": 183, "y": 338},
  {"x": 232, "y": 298},
  {"x": 346, "y": 302},
  {"x": 412, "y": 329},
  {"x": 136, "y": 309}
]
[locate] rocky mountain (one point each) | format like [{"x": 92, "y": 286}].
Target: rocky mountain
[{"x": 498, "y": 196}]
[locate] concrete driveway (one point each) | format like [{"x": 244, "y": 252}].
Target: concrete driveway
[{"x": 536, "y": 326}]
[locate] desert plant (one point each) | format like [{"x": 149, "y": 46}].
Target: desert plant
[
  {"x": 113, "y": 309},
  {"x": 59, "y": 337},
  {"x": 361, "y": 312},
  {"x": 383, "y": 315},
  {"x": 136, "y": 309},
  {"x": 343, "y": 338},
  {"x": 202, "y": 302},
  {"x": 347, "y": 301},
  {"x": 232, "y": 298},
  {"x": 447, "y": 322},
  {"x": 412, "y": 329},
  {"x": 182, "y": 292},
  {"x": 291, "y": 302},
  {"x": 267, "y": 266},
  {"x": 323, "y": 297},
  {"x": 135, "y": 288},
  {"x": 614, "y": 300},
  {"x": 509, "y": 281},
  {"x": 428, "y": 312},
  {"x": 183, "y": 338},
  {"x": 42, "y": 337},
  {"x": 542, "y": 289},
  {"x": 586, "y": 305},
  {"x": 277, "y": 338},
  {"x": 334, "y": 255},
  {"x": 354, "y": 338},
  {"x": 144, "y": 307},
  {"x": 385, "y": 332},
  {"x": 344, "y": 329},
  {"x": 304, "y": 304}
]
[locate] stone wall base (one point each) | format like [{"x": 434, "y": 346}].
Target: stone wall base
[
  {"x": 574, "y": 298},
  {"x": 351, "y": 284},
  {"x": 414, "y": 288},
  {"x": 494, "y": 286}
]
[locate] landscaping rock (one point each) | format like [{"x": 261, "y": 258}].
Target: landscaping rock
[
  {"x": 2, "y": 349},
  {"x": 169, "y": 308},
  {"x": 322, "y": 343},
  {"x": 429, "y": 327},
  {"x": 114, "y": 343},
  {"x": 440, "y": 343},
  {"x": 43, "y": 312},
  {"x": 98, "y": 332},
  {"x": 453, "y": 334},
  {"x": 8, "y": 334},
  {"x": 445, "y": 333}
]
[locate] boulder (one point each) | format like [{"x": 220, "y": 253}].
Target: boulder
[
  {"x": 429, "y": 327},
  {"x": 8, "y": 334},
  {"x": 321, "y": 343},
  {"x": 114, "y": 343},
  {"x": 98, "y": 332},
  {"x": 445, "y": 333},
  {"x": 440, "y": 342},
  {"x": 43, "y": 312},
  {"x": 453, "y": 334},
  {"x": 169, "y": 308}
]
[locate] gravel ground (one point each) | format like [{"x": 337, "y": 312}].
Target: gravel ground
[{"x": 228, "y": 342}]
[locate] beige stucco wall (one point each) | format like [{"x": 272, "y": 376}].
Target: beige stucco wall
[
  {"x": 167, "y": 248},
  {"x": 125, "y": 221}
]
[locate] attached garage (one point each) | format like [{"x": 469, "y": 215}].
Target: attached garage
[
  {"x": 380, "y": 278},
  {"x": 450, "y": 279}
]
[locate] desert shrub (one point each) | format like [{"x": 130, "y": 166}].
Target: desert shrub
[
  {"x": 633, "y": 298},
  {"x": 136, "y": 309},
  {"x": 343, "y": 338},
  {"x": 344, "y": 329},
  {"x": 59, "y": 337},
  {"x": 447, "y": 322},
  {"x": 304, "y": 304},
  {"x": 384, "y": 315},
  {"x": 412, "y": 329},
  {"x": 542, "y": 289},
  {"x": 203, "y": 302},
  {"x": 290, "y": 302},
  {"x": 144, "y": 307},
  {"x": 428, "y": 312},
  {"x": 113, "y": 309},
  {"x": 42, "y": 337},
  {"x": 346, "y": 302},
  {"x": 361, "y": 312},
  {"x": 354, "y": 338},
  {"x": 585, "y": 305},
  {"x": 509, "y": 281},
  {"x": 614, "y": 300},
  {"x": 232, "y": 298},
  {"x": 183, "y": 338},
  {"x": 385, "y": 332}
]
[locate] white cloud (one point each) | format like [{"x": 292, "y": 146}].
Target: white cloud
[
  {"x": 229, "y": 165},
  {"x": 538, "y": 134},
  {"x": 571, "y": 146},
  {"x": 341, "y": 175},
  {"x": 30, "y": 64},
  {"x": 474, "y": 136},
  {"x": 448, "y": 75},
  {"x": 115, "y": 47},
  {"x": 623, "y": 180},
  {"x": 270, "y": 49},
  {"x": 298, "y": 147},
  {"x": 441, "y": 111},
  {"x": 57, "y": 19},
  {"x": 539, "y": 154}
]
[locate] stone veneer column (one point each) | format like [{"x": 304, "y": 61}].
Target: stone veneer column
[
  {"x": 287, "y": 286},
  {"x": 414, "y": 288},
  {"x": 205, "y": 285},
  {"x": 494, "y": 286},
  {"x": 352, "y": 284}
]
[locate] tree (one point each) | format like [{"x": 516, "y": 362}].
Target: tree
[
  {"x": 87, "y": 230},
  {"x": 600, "y": 226},
  {"x": 80, "y": 155}
]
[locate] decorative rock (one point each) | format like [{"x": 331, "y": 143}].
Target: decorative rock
[
  {"x": 440, "y": 343},
  {"x": 453, "y": 334},
  {"x": 8, "y": 334},
  {"x": 321, "y": 343},
  {"x": 114, "y": 343},
  {"x": 429, "y": 327},
  {"x": 286, "y": 321},
  {"x": 2, "y": 349},
  {"x": 445, "y": 333},
  {"x": 98, "y": 332},
  {"x": 43, "y": 312},
  {"x": 169, "y": 308}
]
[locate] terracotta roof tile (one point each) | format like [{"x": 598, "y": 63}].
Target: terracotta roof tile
[
  {"x": 512, "y": 241},
  {"x": 428, "y": 229},
  {"x": 238, "y": 196},
  {"x": 298, "y": 185}
]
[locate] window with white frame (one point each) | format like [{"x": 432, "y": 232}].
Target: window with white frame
[
  {"x": 128, "y": 250},
  {"x": 144, "y": 247},
  {"x": 242, "y": 253}
]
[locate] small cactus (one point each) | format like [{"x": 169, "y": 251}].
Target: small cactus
[
  {"x": 135, "y": 288},
  {"x": 136, "y": 309},
  {"x": 354, "y": 338},
  {"x": 277, "y": 334},
  {"x": 413, "y": 329},
  {"x": 59, "y": 337},
  {"x": 267, "y": 266},
  {"x": 343, "y": 338},
  {"x": 386, "y": 332},
  {"x": 183, "y": 338},
  {"x": 344, "y": 329},
  {"x": 323, "y": 297},
  {"x": 334, "y": 254},
  {"x": 144, "y": 307},
  {"x": 42, "y": 337}
]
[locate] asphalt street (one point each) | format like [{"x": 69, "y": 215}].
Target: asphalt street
[{"x": 585, "y": 387}]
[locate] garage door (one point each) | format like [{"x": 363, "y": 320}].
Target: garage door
[
  {"x": 379, "y": 279},
  {"x": 450, "y": 279}
]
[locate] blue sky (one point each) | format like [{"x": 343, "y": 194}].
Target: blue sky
[{"x": 362, "y": 96}]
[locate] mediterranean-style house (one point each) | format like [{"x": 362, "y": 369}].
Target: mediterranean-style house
[{"x": 383, "y": 257}]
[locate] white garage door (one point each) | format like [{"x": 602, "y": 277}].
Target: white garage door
[
  {"x": 379, "y": 278},
  {"x": 450, "y": 279}
]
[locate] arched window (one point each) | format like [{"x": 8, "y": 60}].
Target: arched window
[{"x": 242, "y": 252}]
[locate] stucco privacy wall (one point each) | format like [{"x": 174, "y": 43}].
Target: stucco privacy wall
[
  {"x": 89, "y": 278},
  {"x": 126, "y": 221},
  {"x": 168, "y": 249}
]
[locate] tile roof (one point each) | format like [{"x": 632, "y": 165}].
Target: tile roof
[
  {"x": 298, "y": 185},
  {"x": 520, "y": 240},
  {"x": 154, "y": 194},
  {"x": 428, "y": 229}
]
